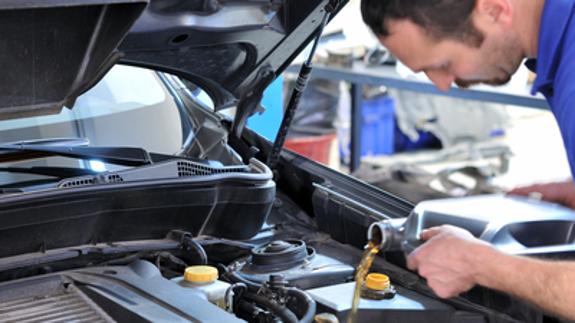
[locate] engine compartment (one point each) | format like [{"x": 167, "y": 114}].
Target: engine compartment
[
  {"x": 143, "y": 291},
  {"x": 115, "y": 246},
  {"x": 82, "y": 245},
  {"x": 290, "y": 271}
]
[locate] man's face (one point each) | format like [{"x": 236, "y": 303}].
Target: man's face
[{"x": 448, "y": 61}]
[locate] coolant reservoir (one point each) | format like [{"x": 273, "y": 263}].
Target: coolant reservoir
[{"x": 205, "y": 280}]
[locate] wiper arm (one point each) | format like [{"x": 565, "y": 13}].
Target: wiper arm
[
  {"x": 78, "y": 148},
  {"x": 55, "y": 142},
  {"x": 10, "y": 190},
  {"x": 125, "y": 156},
  {"x": 59, "y": 172}
]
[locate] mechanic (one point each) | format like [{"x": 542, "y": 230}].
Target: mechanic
[{"x": 484, "y": 41}]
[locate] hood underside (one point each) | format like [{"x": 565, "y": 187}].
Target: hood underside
[
  {"x": 223, "y": 46},
  {"x": 51, "y": 51}
]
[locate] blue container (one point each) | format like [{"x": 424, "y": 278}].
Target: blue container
[
  {"x": 378, "y": 128},
  {"x": 426, "y": 140},
  {"x": 267, "y": 124}
]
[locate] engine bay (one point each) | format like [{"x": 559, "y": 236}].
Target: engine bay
[
  {"x": 148, "y": 290},
  {"x": 181, "y": 239},
  {"x": 195, "y": 226},
  {"x": 289, "y": 272}
]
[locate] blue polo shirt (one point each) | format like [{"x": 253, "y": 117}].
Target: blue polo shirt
[{"x": 555, "y": 68}]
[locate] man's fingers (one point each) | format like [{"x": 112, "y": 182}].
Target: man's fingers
[
  {"x": 562, "y": 193},
  {"x": 550, "y": 189},
  {"x": 524, "y": 191},
  {"x": 429, "y": 233},
  {"x": 411, "y": 261},
  {"x": 537, "y": 191}
]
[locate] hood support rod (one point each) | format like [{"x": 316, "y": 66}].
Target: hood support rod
[{"x": 297, "y": 92}]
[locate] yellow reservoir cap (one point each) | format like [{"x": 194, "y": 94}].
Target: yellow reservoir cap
[
  {"x": 201, "y": 274},
  {"x": 377, "y": 281}
]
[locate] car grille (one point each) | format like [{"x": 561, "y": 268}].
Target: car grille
[{"x": 70, "y": 305}]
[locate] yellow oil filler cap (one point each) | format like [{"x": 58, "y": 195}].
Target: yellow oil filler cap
[
  {"x": 377, "y": 281},
  {"x": 201, "y": 274}
]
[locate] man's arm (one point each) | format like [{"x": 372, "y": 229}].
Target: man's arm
[
  {"x": 453, "y": 261},
  {"x": 548, "y": 284}
]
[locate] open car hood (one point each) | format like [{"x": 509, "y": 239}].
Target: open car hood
[
  {"x": 232, "y": 49},
  {"x": 51, "y": 51},
  {"x": 229, "y": 48}
]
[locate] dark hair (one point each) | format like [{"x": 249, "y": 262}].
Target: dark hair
[{"x": 440, "y": 18}]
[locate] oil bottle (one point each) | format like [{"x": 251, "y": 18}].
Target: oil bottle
[{"x": 395, "y": 234}]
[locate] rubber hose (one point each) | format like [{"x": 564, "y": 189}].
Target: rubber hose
[
  {"x": 305, "y": 299},
  {"x": 236, "y": 278},
  {"x": 292, "y": 291},
  {"x": 237, "y": 294},
  {"x": 201, "y": 252},
  {"x": 247, "y": 307},
  {"x": 282, "y": 312}
]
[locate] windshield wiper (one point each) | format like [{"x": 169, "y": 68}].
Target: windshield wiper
[
  {"x": 78, "y": 148},
  {"x": 55, "y": 142},
  {"x": 125, "y": 156},
  {"x": 59, "y": 172},
  {"x": 10, "y": 190},
  {"x": 73, "y": 148}
]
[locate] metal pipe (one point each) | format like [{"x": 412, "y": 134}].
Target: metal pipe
[{"x": 309, "y": 302}]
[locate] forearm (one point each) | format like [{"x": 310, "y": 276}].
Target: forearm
[{"x": 549, "y": 285}]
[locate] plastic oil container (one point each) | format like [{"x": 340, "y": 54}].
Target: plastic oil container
[{"x": 204, "y": 279}]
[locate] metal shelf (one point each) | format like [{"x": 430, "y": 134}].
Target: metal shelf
[{"x": 360, "y": 75}]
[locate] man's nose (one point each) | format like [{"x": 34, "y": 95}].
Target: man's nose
[{"x": 442, "y": 80}]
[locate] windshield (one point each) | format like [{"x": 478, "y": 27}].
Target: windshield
[{"x": 130, "y": 106}]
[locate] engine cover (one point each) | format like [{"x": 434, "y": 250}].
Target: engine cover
[
  {"x": 296, "y": 262},
  {"x": 134, "y": 293}
]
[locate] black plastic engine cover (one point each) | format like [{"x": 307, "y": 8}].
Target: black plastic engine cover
[{"x": 227, "y": 206}]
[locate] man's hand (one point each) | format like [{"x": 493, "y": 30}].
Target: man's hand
[
  {"x": 453, "y": 261},
  {"x": 562, "y": 193},
  {"x": 449, "y": 259}
]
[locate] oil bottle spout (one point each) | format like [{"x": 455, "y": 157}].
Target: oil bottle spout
[{"x": 387, "y": 235}]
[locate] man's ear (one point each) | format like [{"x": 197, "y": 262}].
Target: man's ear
[{"x": 494, "y": 12}]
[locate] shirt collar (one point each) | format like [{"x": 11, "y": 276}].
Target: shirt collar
[{"x": 554, "y": 21}]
